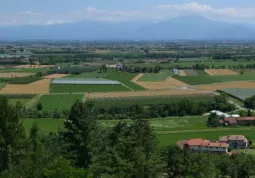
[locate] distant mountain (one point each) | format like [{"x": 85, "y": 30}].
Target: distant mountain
[{"x": 187, "y": 28}]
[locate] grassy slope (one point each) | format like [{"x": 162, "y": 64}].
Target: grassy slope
[
  {"x": 156, "y": 77},
  {"x": 60, "y": 88},
  {"x": 51, "y": 102},
  {"x": 168, "y": 130},
  {"x": 23, "y": 101}
]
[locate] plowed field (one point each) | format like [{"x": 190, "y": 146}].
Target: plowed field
[
  {"x": 55, "y": 76},
  {"x": 176, "y": 82},
  {"x": 155, "y": 85},
  {"x": 145, "y": 93},
  {"x": 221, "y": 86},
  {"x": 38, "y": 87},
  {"x": 182, "y": 73},
  {"x": 15, "y": 74},
  {"x": 220, "y": 72}
]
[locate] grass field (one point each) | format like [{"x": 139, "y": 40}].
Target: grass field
[
  {"x": 156, "y": 77},
  {"x": 124, "y": 78},
  {"x": 204, "y": 78},
  {"x": 167, "y": 130},
  {"x": 25, "y": 70},
  {"x": 55, "y": 101},
  {"x": 60, "y": 88}
]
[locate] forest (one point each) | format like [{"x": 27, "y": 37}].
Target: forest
[{"x": 83, "y": 149}]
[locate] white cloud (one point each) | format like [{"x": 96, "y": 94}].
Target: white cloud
[{"x": 157, "y": 13}]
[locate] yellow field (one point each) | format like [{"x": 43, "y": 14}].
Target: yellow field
[
  {"x": 182, "y": 73},
  {"x": 220, "y": 72},
  {"x": 38, "y": 87},
  {"x": 52, "y": 76}
]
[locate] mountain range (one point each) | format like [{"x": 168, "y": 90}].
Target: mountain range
[{"x": 180, "y": 28}]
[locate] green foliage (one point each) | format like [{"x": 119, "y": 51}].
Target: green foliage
[
  {"x": 11, "y": 134},
  {"x": 23, "y": 80},
  {"x": 80, "y": 132},
  {"x": 213, "y": 120},
  {"x": 39, "y": 107},
  {"x": 158, "y": 77},
  {"x": 250, "y": 102}
]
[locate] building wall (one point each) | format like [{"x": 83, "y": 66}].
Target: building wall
[
  {"x": 209, "y": 149},
  {"x": 237, "y": 144}
]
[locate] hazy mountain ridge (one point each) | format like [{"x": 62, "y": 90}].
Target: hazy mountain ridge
[{"x": 188, "y": 28}]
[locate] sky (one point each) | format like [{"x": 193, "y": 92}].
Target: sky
[{"x": 48, "y": 12}]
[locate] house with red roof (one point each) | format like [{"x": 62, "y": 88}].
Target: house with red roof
[
  {"x": 202, "y": 145},
  {"x": 234, "y": 121},
  {"x": 235, "y": 141}
]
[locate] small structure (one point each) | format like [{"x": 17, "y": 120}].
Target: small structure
[
  {"x": 219, "y": 113},
  {"x": 234, "y": 121},
  {"x": 235, "y": 141},
  {"x": 202, "y": 145}
]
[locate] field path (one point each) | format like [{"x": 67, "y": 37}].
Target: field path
[
  {"x": 33, "y": 101},
  {"x": 128, "y": 87}
]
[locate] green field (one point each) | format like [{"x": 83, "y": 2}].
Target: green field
[
  {"x": 168, "y": 130},
  {"x": 55, "y": 101},
  {"x": 26, "y": 70},
  {"x": 61, "y": 88},
  {"x": 204, "y": 78},
  {"x": 156, "y": 77},
  {"x": 124, "y": 78}
]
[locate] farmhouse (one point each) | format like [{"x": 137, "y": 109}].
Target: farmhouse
[
  {"x": 235, "y": 141},
  {"x": 234, "y": 121},
  {"x": 202, "y": 145}
]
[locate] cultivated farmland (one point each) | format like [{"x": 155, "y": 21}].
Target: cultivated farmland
[
  {"x": 58, "y": 101},
  {"x": 189, "y": 72},
  {"x": 220, "y": 86},
  {"x": 155, "y": 77},
  {"x": 220, "y": 72},
  {"x": 52, "y": 76},
  {"x": 240, "y": 93},
  {"x": 173, "y": 92}
]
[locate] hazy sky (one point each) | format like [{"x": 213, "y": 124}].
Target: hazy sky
[{"x": 15, "y": 12}]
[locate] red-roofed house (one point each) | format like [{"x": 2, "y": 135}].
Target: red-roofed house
[
  {"x": 233, "y": 121},
  {"x": 202, "y": 145},
  {"x": 235, "y": 141}
]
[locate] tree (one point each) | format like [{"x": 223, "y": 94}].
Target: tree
[
  {"x": 213, "y": 120},
  {"x": 12, "y": 135},
  {"x": 250, "y": 102},
  {"x": 39, "y": 107},
  {"x": 80, "y": 133}
]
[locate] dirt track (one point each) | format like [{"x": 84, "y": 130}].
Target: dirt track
[
  {"x": 220, "y": 72},
  {"x": 15, "y": 74},
  {"x": 172, "y": 92},
  {"x": 38, "y": 87},
  {"x": 214, "y": 87}
]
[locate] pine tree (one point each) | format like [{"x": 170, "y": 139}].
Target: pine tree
[
  {"x": 12, "y": 135},
  {"x": 80, "y": 133}
]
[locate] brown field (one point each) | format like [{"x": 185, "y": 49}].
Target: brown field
[
  {"x": 182, "y": 73},
  {"x": 220, "y": 72},
  {"x": 176, "y": 82},
  {"x": 55, "y": 76},
  {"x": 156, "y": 85},
  {"x": 170, "y": 83},
  {"x": 214, "y": 87},
  {"x": 15, "y": 74},
  {"x": 38, "y": 87},
  {"x": 102, "y": 51},
  {"x": 173, "y": 92},
  {"x": 33, "y": 66}
]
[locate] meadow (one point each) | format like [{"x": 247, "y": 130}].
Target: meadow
[
  {"x": 67, "y": 88},
  {"x": 58, "y": 101},
  {"x": 156, "y": 77},
  {"x": 167, "y": 130}
]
